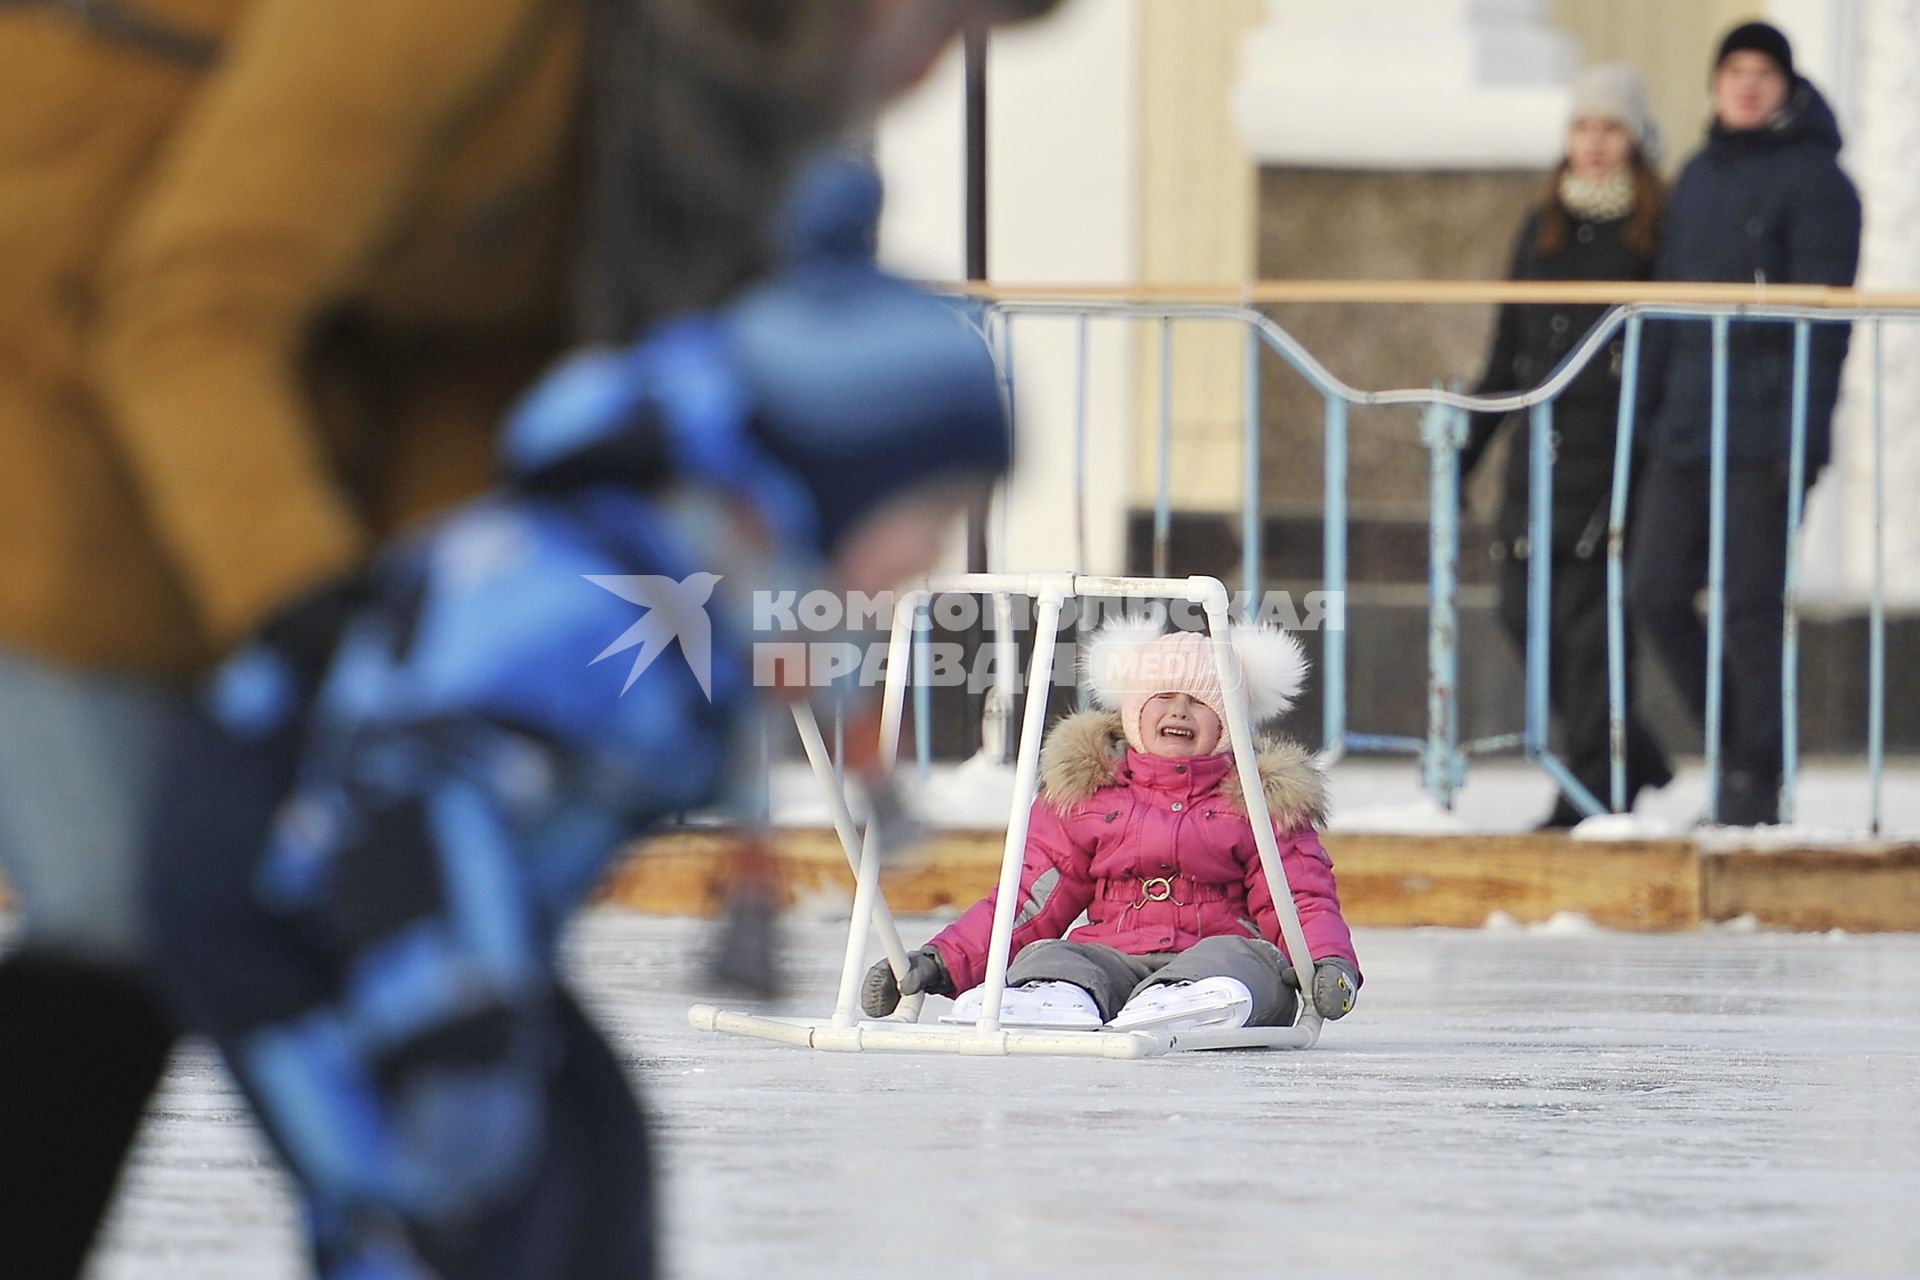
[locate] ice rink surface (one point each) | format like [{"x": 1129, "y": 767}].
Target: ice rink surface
[{"x": 1504, "y": 1102}]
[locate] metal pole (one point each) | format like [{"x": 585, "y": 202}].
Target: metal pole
[
  {"x": 923, "y": 691},
  {"x": 765, "y": 795},
  {"x": 1716, "y": 563},
  {"x": 867, "y": 898},
  {"x": 1333, "y": 650},
  {"x": 1617, "y": 673},
  {"x": 996, "y": 716},
  {"x": 1443, "y": 431},
  {"x": 1239, "y": 728},
  {"x": 1539, "y": 573},
  {"x": 975, "y": 54},
  {"x": 839, "y": 756},
  {"x": 1877, "y": 618},
  {"x": 1790, "y": 623},
  {"x": 1533, "y": 736},
  {"x": 974, "y": 48},
  {"x": 851, "y": 844},
  {"x": 1026, "y": 782}
]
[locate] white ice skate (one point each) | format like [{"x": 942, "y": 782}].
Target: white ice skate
[
  {"x": 1185, "y": 1006},
  {"x": 1040, "y": 1006}
]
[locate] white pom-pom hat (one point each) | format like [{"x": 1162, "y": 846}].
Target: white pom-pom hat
[{"x": 1131, "y": 659}]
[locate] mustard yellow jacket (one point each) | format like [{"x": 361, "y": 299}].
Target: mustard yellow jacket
[{"x": 255, "y": 312}]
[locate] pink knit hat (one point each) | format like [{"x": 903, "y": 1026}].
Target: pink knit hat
[{"x": 1131, "y": 660}]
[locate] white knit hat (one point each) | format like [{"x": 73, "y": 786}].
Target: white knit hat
[
  {"x": 1614, "y": 91},
  {"x": 1130, "y": 660}
]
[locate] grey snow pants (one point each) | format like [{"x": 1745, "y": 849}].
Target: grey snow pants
[{"x": 1113, "y": 977}]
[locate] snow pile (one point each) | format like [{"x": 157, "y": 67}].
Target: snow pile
[
  {"x": 1561, "y": 924},
  {"x": 1416, "y": 817},
  {"x": 1723, "y": 839},
  {"x": 976, "y": 793},
  {"x": 1628, "y": 826}
]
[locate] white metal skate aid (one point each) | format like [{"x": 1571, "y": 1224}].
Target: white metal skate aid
[{"x": 846, "y": 1031}]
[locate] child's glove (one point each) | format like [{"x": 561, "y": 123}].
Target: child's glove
[
  {"x": 926, "y": 972},
  {"x": 1335, "y": 984}
]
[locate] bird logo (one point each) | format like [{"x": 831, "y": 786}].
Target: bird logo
[{"x": 674, "y": 610}]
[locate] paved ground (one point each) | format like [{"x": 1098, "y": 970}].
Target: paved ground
[{"x": 1506, "y": 1103}]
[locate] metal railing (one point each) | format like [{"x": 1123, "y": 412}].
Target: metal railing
[{"x": 1443, "y": 431}]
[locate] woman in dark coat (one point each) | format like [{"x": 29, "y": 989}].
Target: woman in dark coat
[{"x": 1600, "y": 221}]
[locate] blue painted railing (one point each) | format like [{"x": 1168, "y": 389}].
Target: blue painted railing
[{"x": 1443, "y": 431}]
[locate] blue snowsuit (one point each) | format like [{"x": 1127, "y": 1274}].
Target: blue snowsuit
[{"x": 366, "y": 856}]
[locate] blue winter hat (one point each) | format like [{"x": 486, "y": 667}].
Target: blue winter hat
[
  {"x": 864, "y": 386},
  {"x": 817, "y": 396}
]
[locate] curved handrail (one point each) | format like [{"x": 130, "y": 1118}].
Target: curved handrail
[
  {"x": 1630, "y": 303},
  {"x": 1446, "y": 292},
  {"x": 1323, "y": 380}
]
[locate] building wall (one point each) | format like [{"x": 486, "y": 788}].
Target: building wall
[
  {"x": 1670, "y": 41},
  {"x": 1064, "y": 141},
  {"x": 1197, "y": 205},
  {"x": 1115, "y": 158}
]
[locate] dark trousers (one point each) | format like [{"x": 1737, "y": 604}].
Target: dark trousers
[
  {"x": 1577, "y": 674},
  {"x": 231, "y": 964},
  {"x": 82, "y": 1045},
  {"x": 1667, "y": 567}
]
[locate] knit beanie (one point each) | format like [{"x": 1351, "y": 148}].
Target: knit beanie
[
  {"x": 820, "y": 395},
  {"x": 1758, "y": 37},
  {"x": 1131, "y": 660},
  {"x": 1614, "y": 91},
  {"x": 865, "y": 386}
]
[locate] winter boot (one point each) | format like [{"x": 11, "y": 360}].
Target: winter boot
[
  {"x": 1185, "y": 1006},
  {"x": 82, "y": 1047},
  {"x": 1038, "y": 1006}
]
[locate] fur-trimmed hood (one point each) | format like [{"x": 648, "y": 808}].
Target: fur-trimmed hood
[{"x": 1083, "y": 750}]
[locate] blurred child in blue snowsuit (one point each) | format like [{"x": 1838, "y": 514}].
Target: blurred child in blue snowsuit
[{"x": 397, "y": 796}]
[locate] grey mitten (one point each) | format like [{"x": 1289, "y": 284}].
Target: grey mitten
[
  {"x": 1335, "y": 984},
  {"x": 926, "y": 972}
]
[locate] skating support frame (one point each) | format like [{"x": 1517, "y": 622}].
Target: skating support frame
[{"x": 845, "y": 1031}]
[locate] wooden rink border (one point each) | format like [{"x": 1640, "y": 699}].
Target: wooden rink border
[
  {"x": 1386, "y": 881},
  {"x": 1395, "y": 881}
]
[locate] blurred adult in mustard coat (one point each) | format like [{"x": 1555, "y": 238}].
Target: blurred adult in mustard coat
[{"x": 269, "y": 271}]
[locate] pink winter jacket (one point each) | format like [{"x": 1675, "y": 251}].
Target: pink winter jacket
[{"x": 1158, "y": 852}]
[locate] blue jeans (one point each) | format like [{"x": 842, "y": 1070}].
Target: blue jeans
[{"x": 79, "y": 753}]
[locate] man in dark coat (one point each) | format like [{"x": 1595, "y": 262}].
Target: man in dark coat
[{"x": 1764, "y": 201}]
